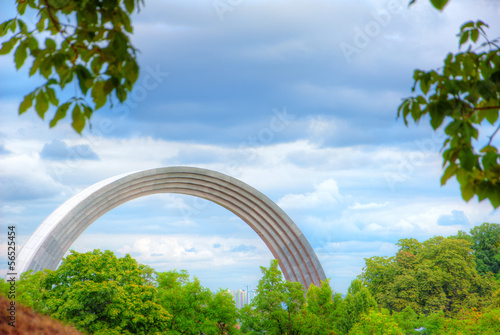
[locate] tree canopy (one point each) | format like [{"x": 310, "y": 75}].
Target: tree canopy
[{"x": 438, "y": 274}]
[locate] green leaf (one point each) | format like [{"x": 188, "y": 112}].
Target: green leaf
[
  {"x": 489, "y": 148},
  {"x": 448, "y": 173},
  {"x": 492, "y": 116},
  {"x": 468, "y": 24},
  {"x": 490, "y": 160},
  {"x": 7, "y": 46},
  {"x": 52, "y": 96},
  {"x": 32, "y": 44},
  {"x": 474, "y": 34},
  {"x": 50, "y": 44},
  {"x": 439, "y": 4},
  {"x": 84, "y": 78},
  {"x": 42, "y": 105},
  {"x": 494, "y": 196},
  {"x": 437, "y": 116},
  {"x": 467, "y": 191},
  {"x": 4, "y": 27},
  {"x": 463, "y": 38},
  {"x": 98, "y": 94},
  {"x": 129, "y": 4},
  {"x": 20, "y": 55},
  {"x": 22, "y": 26},
  {"x": 21, "y": 6},
  {"x": 26, "y": 103},
  {"x": 78, "y": 119},
  {"x": 60, "y": 114},
  {"x": 467, "y": 159},
  {"x": 96, "y": 65}
]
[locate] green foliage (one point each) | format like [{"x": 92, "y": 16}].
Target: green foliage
[
  {"x": 408, "y": 320},
  {"x": 88, "y": 45},
  {"x": 485, "y": 241},
  {"x": 97, "y": 292},
  {"x": 463, "y": 96},
  {"x": 323, "y": 309},
  {"x": 31, "y": 292},
  {"x": 377, "y": 323},
  {"x": 194, "y": 309},
  {"x": 436, "y": 275},
  {"x": 357, "y": 303},
  {"x": 277, "y": 303}
]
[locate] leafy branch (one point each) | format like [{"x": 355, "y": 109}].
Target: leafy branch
[
  {"x": 463, "y": 94},
  {"x": 95, "y": 54}
]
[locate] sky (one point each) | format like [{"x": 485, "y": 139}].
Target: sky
[{"x": 298, "y": 99}]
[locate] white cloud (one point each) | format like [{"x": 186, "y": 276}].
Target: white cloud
[
  {"x": 326, "y": 193},
  {"x": 371, "y": 205}
]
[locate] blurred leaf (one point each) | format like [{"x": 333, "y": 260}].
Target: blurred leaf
[
  {"x": 42, "y": 105},
  {"x": 26, "y": 103},
  {"x": 60, "y": 113},
  {"x": 439, "y": 4},
  {"x": 78, "y": 119},
  {"x": 8, "y": 46}
]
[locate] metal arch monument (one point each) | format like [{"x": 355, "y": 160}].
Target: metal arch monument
[{"x": 52, "y": 239}]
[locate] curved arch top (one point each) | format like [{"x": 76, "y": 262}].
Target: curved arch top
[{"x": 52, "y": 239}]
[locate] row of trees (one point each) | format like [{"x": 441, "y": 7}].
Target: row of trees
[
  {"x": 102, "y": 294},
  {"x": 440, "y": 286}
]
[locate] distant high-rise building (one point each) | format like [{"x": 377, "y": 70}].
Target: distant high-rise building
[{"x": 241, "y": 297}]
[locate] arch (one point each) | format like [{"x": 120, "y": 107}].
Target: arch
[{"x": 51, "y": 240}]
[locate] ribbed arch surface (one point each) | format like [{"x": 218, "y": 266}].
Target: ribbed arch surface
[{"x": 48, "y": 244}]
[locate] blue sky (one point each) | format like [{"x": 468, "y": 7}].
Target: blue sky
[{"x": 296, "y": 98}]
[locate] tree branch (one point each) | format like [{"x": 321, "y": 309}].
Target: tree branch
[
  {"x": 493, "y": 135},
  {"x": 54, "y": 21}
]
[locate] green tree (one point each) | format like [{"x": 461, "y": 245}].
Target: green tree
[
  {"x": 185, "y": 301},
  {"x": 436, "y": 275},
  {"x": 486, "y": 245},
  {"x": 323, "y": 309},
  {"x": 221, "y": 314},
  {"x": 88, "y": 46},
  {"x": 194, "y": 309},
  {"x": 357, "y": 303},
  {"x": 277, "y": 306},
  {"x": 376, "y": 323},
  {"x": 462, "y": 96},
  {"x": 102, "y": 294}
]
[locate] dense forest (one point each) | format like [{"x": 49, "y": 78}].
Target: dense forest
[{"x": 444, "y": 285}]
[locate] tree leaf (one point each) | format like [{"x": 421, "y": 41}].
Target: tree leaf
[
  {"x": 474, "y": 34},
  {"x": 129, "y": 5},
  {"x": 463, "y": 38},
  {"x": 50, "y": 44},
  {"x": 60, "y": 114},
  {"x": 467, "y": 191},
  {"x": 437, "y": 116},
  {"x": 78, "y": 119},
  {"x": 8, "y": 46},
  {"x": 494, "y": 197},
  {"x": 439, "y": 4},
  {"x": 52, "y": 96},
  {"x": 98, "y": 94},
  {"x": 42, "y": 105},
  {"x": 448, "y": 173},
  {"x": 26, "y": 103},
  {"x": 84, "y": 78}
]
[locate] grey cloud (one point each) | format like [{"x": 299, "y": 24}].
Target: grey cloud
[
  {"x": 457, "y": 218},
  {"x": 58, "y": 150},
  {"x": 243, "y": 248},
  {"x": 3, "y": 150}
]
